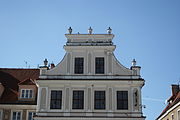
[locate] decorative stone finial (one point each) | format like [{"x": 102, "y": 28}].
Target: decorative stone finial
[
  {"x": 90, "y": 30},
  {"x": 45, "y": 62},
  {"x": 109, "y": 30},
  {"x": 70, "y": 30},
  {"x": 134, "y": 62}
]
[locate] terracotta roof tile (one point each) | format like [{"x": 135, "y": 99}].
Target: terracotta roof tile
[
  {"x": 174, "y": 99},
  {"x": 11, "y": 77},
  {"x": 28, "y": 81}
]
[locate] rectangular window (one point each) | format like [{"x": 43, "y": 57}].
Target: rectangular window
[
  {"x": 1, "y": 114},
  {"x": 122, "y": 100},
  {"x": 16, "y": 116},
  {"x": 99, "y": 64},
  {"x": 78, "y": 65},
  {"x": 172, "y": 116},
  {"x": 179, "y": 115},
  {"x": 30, "y": 115},
  {"x": 99, "y": 100},
  {"x": 78, "y": 100},
  {"x": 26, "y": 93},
  {"x": 56, "y": 99}
]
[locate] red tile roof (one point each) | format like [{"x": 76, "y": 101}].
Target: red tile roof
[
  {"x": 28, "y": 81},
  {"x": 11, "y": 77},
  {"x": 173, "y": 100}
]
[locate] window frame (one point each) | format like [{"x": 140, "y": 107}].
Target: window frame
[
  {"x": 16, "y": 114},
  {"x": 1, "y": 114},
  {"x": 99, "y": 68},
  {"x": 61, "y": 103},
  {"x": 83, "y": 99},
  {"x": 122, "y": 109},
  {"x": 78, "y": 69},
  {"x": 23, "y": 95},
  {"x": 28, "y": 111},
  {"x": 105, "y": 101}
]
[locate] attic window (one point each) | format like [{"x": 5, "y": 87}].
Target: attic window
[
  {"x": 99, "y": 64},
  {"x": 78, "y": 68},
  {"x": 26, "y": 93}
]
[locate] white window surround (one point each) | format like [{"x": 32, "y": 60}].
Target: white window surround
[
  {"x": 49, "y": 100},
  {"x": 29, "y": 111},
  {"x": 71, "y": 99},
  {"x": 16, "y": 111},
  {"x": 115, "y": 100},
  {"x": 26, "y": 93},
  {"x": 106, "y": 98}
]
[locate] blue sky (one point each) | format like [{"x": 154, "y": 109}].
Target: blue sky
[{"x": 147, "y": 30}]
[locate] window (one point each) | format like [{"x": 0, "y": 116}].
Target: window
[
  {"x": 172, "y": 116},
  {"x": 178, "y": 114},
  {"x": 99, "y": 64},
  {"x": 1, "y": 114},
  {"x": 16, "y": 116},
  {"x": 122, "y": 100},
  {"x": 30, "y": 115},
  {"x": 99, "y": 100},
  {"x": 26, "y": 93},
  {"x": 78, "y": 68},
  {"x": 78, "y": 100},
  {"x": 56, "y": 99}
]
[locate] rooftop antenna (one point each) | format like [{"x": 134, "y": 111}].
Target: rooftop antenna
[
  {"x": 179, "y": 81},
  {"x": 25, "y": 63}
]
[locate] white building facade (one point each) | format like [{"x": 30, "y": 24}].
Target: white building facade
[{"x": 89, "y": 83}]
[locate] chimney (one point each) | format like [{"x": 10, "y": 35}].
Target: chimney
[
  {"x": 52, "y": 65},
  {"x": 135, "y": 69},
  {"x": 1, "y": 89},
  {"x": 175, "y": 89}
]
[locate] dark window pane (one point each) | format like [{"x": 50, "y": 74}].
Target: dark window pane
[
  {"x": 78, "y": 65},
  {"x": 122, "y": 100},
  {"x": 56, "y": 99},
  {"x": 78, "y": 100},
  {"x": 99, "y": 100},
  {"x": 99, "y": 64}
]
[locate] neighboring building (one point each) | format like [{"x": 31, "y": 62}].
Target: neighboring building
[
  {"x": 18, "y": 93},
  {"x": 89, "y": 83},
  {"x": 172, "y": 110}
]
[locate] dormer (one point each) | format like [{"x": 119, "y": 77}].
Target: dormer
[{"x": 27, "y": 90}]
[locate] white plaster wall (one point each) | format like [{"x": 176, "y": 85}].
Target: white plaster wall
[
  {"x": 116, "y": 67},
  {"x": 115, "y": 85}
]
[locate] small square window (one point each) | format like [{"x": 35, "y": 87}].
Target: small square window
[{"x": 26, "y": 93}]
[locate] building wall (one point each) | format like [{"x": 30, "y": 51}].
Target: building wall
[
  {"x": 174, "y": 112},
  {"x": 7, "y": 111},
  {"x": 68, "y": 86},
  {"x": 112, "y": 66},
  {"x": 32, "y": 87},
  {"x": 115, "y": 78}
]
